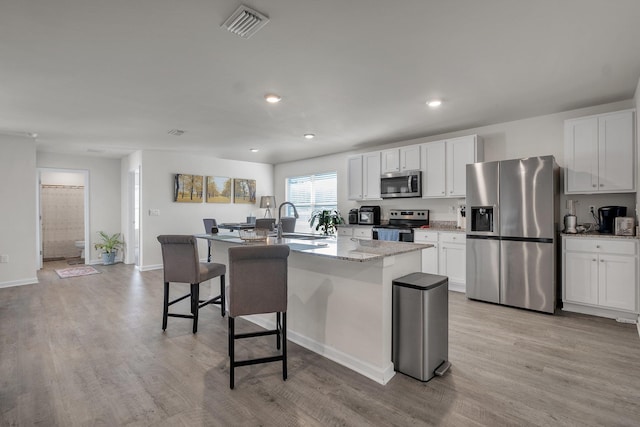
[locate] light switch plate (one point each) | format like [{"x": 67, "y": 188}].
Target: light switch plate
[
  {"x": 154, "y": 212},
  {"x": 4, "y": 259}
]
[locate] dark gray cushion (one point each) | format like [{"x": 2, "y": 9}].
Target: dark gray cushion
[
  {"x": 181, "y": 261},
  {"x": 257, "y": 279}
]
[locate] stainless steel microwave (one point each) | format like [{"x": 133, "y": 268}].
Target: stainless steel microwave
[{"x": 401, "y": 184}]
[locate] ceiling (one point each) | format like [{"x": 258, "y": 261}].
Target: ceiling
[{"x": 111, "y": 77}]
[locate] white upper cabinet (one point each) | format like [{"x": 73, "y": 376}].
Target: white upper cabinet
[
  {"x": 434, "y": 173},
  {"x": 371, "y": 176},
  {"x": 354, "y": 170},
  {"x": 364, "y": 176},
  {"x": 445, "y": 165},
  {"x": 401, "y": 159},
  {"x": 599, "y": 153},
  {"x": 390, "y": 160},
  {"x": 410, "y": 158}
]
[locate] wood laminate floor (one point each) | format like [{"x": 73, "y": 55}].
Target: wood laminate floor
[{"x": 91, "y": 351}]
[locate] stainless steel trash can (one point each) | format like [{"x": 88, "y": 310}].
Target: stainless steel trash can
[{"x": 420, "y": 313}]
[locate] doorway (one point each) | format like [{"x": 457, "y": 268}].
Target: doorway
[
  {"x": 63, "y": 231},
  {"x": 134, "y": 215}
]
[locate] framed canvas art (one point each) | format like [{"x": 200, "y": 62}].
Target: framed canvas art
[
  {"x": 244, "y": 190},
  {"x": 218, "y": 189},
  {"x": 188, "y": 188}
]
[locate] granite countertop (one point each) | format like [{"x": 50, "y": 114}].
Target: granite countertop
[
  {"x": 341, "y": 247},
  {"x": 595, "y": 234}
]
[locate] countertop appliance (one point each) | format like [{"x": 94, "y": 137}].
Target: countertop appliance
[
  {"x": 369, "y": 215},
  {"x": 607, "y": 216},
  {"x": 570, "y": 219},
  {"x": 511, "y": 232},
  {"x": 401, "y": 184},
  {"x": 401, "y": 225},
  {"x": 353, "y": 216}
]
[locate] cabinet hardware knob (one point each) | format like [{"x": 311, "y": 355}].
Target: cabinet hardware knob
[
  {"x": 593, "y": 185},
  {"x": 443, "y": 192},
  {"x": 598, "y": 246},
  {"x": 601, "y": 185},
  {"x": 601, "y": 260},
  {"x": 594, "y": 260}
]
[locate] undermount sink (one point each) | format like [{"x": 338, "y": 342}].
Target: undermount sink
[{"x": 302, "y": 236}]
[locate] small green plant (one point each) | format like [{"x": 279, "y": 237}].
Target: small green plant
[
  {"x": 109, "y": 243},
  {"x": 327, "y": 221}
]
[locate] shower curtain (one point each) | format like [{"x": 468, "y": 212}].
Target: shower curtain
[{"x": 62, "y": 220}]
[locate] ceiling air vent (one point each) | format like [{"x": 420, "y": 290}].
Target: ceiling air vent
[
  {"x": 176, "y": 132},
  {"x": 245, "y": 22}
]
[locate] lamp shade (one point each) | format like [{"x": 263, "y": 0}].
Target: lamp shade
[{"x": 267, "y": 202}]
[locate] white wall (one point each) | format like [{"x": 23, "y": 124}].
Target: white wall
[
  {"x": 18, "y": 217},
  {"x": 62, "y": 178},
  {"x": 535, "y": 136},
  {"x": 158, "y": 170},
  {"x": 104, "y": 192}
]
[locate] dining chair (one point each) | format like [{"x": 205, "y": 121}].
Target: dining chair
[
  {"x": 182, "y": 264},
  {"x": 209, "y": 224},
  {"x": 258, "y": 285},
  {"x": 265, "y": 223},
  {"x": 288, "y": 224}
]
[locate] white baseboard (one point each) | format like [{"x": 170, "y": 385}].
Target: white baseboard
[
  {"x": 381, "y": 376},
  {"x": 21, "y": 282},
  {"x": 150, "y": 267},
  {"x": 601, "y": 312},
  {"x": 458, "y": 287}
]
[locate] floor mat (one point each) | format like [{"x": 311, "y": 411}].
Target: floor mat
[{"x": 86, "y": 270}]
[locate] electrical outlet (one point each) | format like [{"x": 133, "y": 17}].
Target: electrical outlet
[
  {"x": 154, "y": 212},
  {"x": 4, "y": 259},
  {"x": 592, "y": 209}
]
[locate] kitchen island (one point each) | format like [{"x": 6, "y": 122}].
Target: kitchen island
[{"x": 340, "y": 296}]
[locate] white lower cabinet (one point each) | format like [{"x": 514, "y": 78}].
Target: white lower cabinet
[
  {"x": 363, "y": 232},
  {"x": 600, "y": 277},
  {"x": 360, "y": 232},
  {"x": 345, "y": 231},
  {"x": 446, "y": 258}
]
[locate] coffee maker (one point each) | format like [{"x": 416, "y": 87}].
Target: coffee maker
[{"x": 607, "y": 216}]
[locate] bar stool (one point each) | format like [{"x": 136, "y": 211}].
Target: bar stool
[
  {"x": 182, "y": 264},
  {"x": 258, "y": 285}
]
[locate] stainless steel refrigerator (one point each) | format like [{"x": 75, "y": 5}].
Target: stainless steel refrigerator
[{"x": 512, "y": 217}]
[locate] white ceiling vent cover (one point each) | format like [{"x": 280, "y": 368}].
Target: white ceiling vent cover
[{"x": 245, "y": 22}]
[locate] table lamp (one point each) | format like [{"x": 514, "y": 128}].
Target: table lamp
[{"x": 267, "y": 202}]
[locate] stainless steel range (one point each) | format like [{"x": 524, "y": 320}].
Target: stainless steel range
[{"x": 401, "y": 225}]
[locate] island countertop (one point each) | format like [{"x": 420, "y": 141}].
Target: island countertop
[{"x": 341, "y": 247}]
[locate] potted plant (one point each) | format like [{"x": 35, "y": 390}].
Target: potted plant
[
  {"x": 109, "y": 246},
  {"x": 327, "y": 221}
]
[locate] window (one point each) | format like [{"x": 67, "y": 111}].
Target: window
[{"x": 310, "y": 193}]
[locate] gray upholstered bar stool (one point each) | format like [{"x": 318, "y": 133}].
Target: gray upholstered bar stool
[
  {"x": 258, "y": 285},
  {"x": 182, "y": 264}
]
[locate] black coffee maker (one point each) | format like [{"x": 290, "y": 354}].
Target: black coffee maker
[
  {"x": 353, "y": 216},
  {"x": 607, "y": 216}
]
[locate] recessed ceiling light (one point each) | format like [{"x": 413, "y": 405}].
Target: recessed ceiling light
[
  {"x": 176, "y": 132},
  {"x": 253, "y": 150},
  {"x": 272, "y": 98},
  {"x": 309, "y": 135},
  {"x": 434, "y": 103},
  {"x": 33, "y": 135}
]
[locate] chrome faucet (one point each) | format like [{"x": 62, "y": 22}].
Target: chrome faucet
[{"x": 295, "y": 213}]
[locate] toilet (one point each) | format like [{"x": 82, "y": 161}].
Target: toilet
[{"x": 80, "y": 245}]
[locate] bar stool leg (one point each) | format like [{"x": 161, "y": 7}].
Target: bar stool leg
[
  {"x": 231, "y": 350},
  {"x": 195, "y": 300},
  {"x": 165, "y": 311}
]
